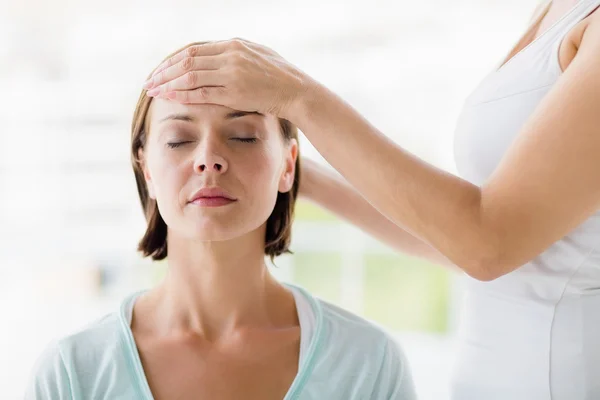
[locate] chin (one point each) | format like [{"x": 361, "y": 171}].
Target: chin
[
  {"x": 222, "y": 229},
  {"x": 214, "y": 230},
  {"x": 211, "y": 233}
]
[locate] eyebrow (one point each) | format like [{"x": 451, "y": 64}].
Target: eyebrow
[
  {"x": 239, "y": 114},
  {"x": 188, "y": 118}
]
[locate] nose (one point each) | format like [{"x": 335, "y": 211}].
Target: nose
[{"x": 209, "y": 159}]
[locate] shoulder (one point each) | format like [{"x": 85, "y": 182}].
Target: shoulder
[
  {"x": 367, "y": 338},
  {"x": 366, "y": 351},
  {"x": 100, "y": 335},
  {"x": 49, "y": 378},
  {"x": 351, "y": 325},
  {"x": 342, "y": 324},
  {"x": 59, "y": 364}
]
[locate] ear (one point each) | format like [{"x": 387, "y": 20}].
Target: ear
[
  {"x": 287, "y": 177},
  {"x": 147, "y": 177}
]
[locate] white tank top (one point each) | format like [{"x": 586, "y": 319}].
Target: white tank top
[{"x": 533, "y": 334}]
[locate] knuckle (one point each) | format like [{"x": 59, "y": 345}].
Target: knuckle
[
  {"x": 191, "y": 51},
  {"x": 191, "y": 78},
  {"x": 187, "y": 63},
  {"x": 237, "y": 44},
  {"x": 203, "y": 92}
]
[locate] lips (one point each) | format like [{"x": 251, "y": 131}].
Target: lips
[{"x": 212, "y": 197}]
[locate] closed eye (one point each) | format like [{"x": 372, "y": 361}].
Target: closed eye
[
  {"x": 245, "y": 140},
  {"x": 174, "y": 145}
]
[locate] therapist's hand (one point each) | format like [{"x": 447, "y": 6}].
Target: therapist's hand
[{"x": 235, "y": 73}]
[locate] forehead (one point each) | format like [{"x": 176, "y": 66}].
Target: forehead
[{"x": 162, "y": 112}]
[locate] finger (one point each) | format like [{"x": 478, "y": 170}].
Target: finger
[
  {"x": 203, "y": 95},
  {"x": 199, "y": 50},
  {"x": 182, "y": 67},
  {"x": 189, "y": 81}
]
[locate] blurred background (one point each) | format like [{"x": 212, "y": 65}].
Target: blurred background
[{"x": 70, "y": 75}]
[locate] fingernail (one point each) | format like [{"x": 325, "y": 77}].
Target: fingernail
[
  {"x": 153, "y": 92},
  {"x": 170, "y": 95},
  {"x": 148, "y": 84}
]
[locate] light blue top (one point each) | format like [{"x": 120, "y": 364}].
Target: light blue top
[{"x": 342, "y": 356}]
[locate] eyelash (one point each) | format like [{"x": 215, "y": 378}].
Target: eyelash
[
  {"x": 246, "y": 140},
  {"x": 174, "y": 145}
]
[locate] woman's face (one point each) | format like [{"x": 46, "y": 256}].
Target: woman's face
[{"x": 208, "y": 147}]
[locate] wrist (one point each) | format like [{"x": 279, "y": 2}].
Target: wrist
[{"x": 306, "y": 99}]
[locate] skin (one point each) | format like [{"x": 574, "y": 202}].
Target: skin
[
  {"x": 219, "y": 316},
  {"x": 545, "y": 186}
]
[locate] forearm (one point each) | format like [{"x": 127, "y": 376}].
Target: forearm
[
  {"x": 333, "y": 193},
  {"x": 440, "y": 209}
]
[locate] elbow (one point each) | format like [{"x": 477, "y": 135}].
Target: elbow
[
  {"x": 488, "y": 266},
  {"x": 483, "y": 273}
]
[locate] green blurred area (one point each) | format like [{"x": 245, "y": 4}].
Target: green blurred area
[
  {"x": 307, "y": 211},
  {"x": 405, "y": 293},
  {"x": 400, "y": 292},
  {"x": 319, "y": 273}
]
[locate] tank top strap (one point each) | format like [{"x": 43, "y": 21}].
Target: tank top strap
[{"x": 563, "y": 26}]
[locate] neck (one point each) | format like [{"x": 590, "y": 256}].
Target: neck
[{"x": 216, "y": 289}]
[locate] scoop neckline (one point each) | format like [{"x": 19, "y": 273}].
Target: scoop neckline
[{"x": 137, "y": 370}]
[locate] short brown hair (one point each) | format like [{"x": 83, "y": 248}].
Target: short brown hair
[{"x": 154, "y": 242}]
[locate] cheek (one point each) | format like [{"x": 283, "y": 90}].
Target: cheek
[
  {"x": 263, "y": 168},
  {"x": 167, "y": 177}
]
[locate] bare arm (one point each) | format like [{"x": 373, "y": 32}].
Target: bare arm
[
  {"x": 326, "y": 188},
  {"x": 546, "y": 185},
  {"x": 332, "y": 192}
]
